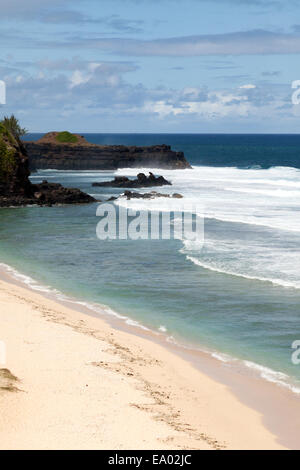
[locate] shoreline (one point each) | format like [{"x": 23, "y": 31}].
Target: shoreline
[
  {"x": 257, "y": 399},
  {"x": 125, "y": 323}
]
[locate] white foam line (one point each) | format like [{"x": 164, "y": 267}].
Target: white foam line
[
  {"x": 269, "y": 375},
  {"x": 162, "y": 328},
  {"x": 154, "y": 204},
  {"x": 27, "y": 280},
  {"x": 98, "y": 308},
  {"x": 256, "y": 224},
  {"x": 278, "y": 378},
  {"x": 277, "y": 282},
  {"x": 272, "y": 376}
]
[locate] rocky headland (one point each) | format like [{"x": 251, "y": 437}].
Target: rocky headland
[
  {"x": 16, "y": 188},
  {"x": 65, "y": 151}
]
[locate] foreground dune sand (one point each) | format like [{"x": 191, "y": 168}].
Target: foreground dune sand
[{"x": 71, "y": 381}]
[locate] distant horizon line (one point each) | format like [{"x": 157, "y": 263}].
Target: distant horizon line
[{"x": 173, "y": 133}]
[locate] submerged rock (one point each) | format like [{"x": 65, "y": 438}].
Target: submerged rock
[
  {"x": 152, "y": 195},
  {"x": 142, "y": 181}
]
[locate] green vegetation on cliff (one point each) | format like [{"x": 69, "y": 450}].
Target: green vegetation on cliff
[
  {"x": 66, "y": 138},
  {"x": 16, "y": 188},
  {"x": 12, "y": 125},
  {"x": 7, "y": 154}
]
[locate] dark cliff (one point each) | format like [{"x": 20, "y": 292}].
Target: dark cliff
[
  {"x": 50, "y": 154},
  {"x": 15, "y": 186},
  {"x": 14, "y": 166}
]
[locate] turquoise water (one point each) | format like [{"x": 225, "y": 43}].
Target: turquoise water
[{"x": 239, "y": 295}]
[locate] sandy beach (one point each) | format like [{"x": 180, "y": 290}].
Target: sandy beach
[
  {"x": 72, "y": 381},
  {"x": 149, "y": 227}
]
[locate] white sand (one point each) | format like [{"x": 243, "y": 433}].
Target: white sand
[{"x": 85, "y": 385}]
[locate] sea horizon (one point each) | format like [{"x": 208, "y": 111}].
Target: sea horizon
[{"x": 149, "y": 261}]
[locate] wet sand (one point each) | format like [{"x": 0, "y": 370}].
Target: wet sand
[{"x": 75, "y": 381}]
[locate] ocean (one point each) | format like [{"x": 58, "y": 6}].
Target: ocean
[{"x": 237, "y": 297}]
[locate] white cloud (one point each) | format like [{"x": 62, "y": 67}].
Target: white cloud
[
  {"x": 217, "y": 104},
  {"x": 99, "y": 92},
  {"x": 78, "y": 78},
  {"x": 248, "y": 87}
]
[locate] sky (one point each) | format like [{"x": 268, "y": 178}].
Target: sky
[{"x": 169, "y": 66}]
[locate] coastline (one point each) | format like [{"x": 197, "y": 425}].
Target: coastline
[{"x": 186, "y": 398}]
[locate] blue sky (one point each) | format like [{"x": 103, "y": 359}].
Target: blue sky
[{"x": 151, "y": 65}]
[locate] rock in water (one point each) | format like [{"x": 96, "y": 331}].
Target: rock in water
[
  {"x": 142, "y": 181},
  {"x": 133, "y": 195},
  {"x": 54, "y": 193}
]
